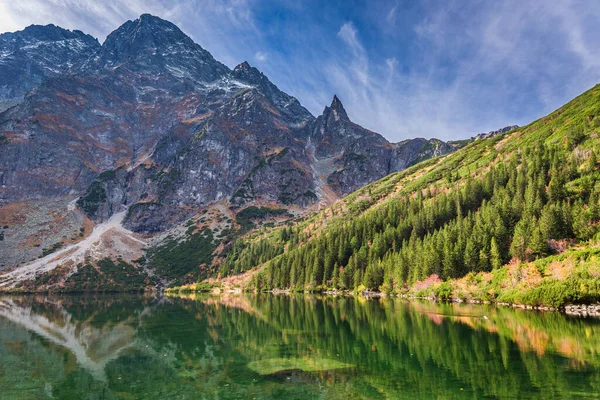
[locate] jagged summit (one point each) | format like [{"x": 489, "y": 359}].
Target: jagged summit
[
  {"x": 147, "y": 30},
  {"x": 51, "y": 32},
  {"x": 490, "y": 134},
  {"x": 244, "y": 66},
  {"x": 250, "y": 75},
  {"x": 151, "y": 44},
  {"x": 150, "y": 17},
  {"x": 337, "y": 108},
  {"x": 36, "y": 53},
  {"x": 34, "y": 36},
  {"x": 358, "y": 154}
]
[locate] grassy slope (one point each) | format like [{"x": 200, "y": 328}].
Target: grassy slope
[{"x": 577, "y": 121}]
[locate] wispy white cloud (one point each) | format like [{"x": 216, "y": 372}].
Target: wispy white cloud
[
  {"x": 391, "y": 63},
  {"x": 479, "y": 68},
  {"x": 391, "y": 14},
  {"x": 348, "y": 34},
  {"x": 260, "y": 56},
  {"x": 512, "y": 47},
  {"x": 359, "y": 62}
]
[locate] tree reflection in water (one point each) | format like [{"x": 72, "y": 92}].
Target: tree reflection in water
[{"x": 267, "y": 346}]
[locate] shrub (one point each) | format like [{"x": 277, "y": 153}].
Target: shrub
[{"x": 443, "y": 291}]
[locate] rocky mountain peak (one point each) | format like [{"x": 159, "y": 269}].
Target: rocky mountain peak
[
  {"x": 30, "y": 56},
  {"x": 151, "y": 44},
  {"x": 490, "y": 134},
  {"x": 145, "y": 32},
  {"x": 337, "y": 109},
  {"x": 287, "y": 104},
  {"x": 34, "y": 36},
  {"x": 49, "y": 33},
  {"x": 250, "y": 75},
  {"x": 245, "y": 66}
]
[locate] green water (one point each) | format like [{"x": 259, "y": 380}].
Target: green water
[{"x": 289, "y": 347}]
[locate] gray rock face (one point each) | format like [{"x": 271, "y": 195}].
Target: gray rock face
[
  {"x": 359, "y": 156},
  {"x": 152, "y": 122},
  {"x": 30, "y": 56},
  {"x": 152, "y": 45},
  {"x": 495, "y": 133},
  {"x": 287, "y": 105}
]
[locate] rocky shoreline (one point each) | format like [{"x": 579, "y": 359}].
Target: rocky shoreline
[
  {"x": 579, "y": 310},
  {"x": 583, "y": 310}
]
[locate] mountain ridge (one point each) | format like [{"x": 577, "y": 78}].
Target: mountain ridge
[
  {"x": 151, "y": 124},
  {"x": 36, "y": 53}
]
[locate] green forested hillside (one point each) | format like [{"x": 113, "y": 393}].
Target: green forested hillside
[{"x": 520, "y": 196}]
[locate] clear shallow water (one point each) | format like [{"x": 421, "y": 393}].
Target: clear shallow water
[{"x": 289, "y": 347}]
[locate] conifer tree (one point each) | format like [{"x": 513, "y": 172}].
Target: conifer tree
[{"x": 495, "y": 255}]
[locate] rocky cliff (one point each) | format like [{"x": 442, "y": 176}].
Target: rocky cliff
[{"x": 31, "y": 56}]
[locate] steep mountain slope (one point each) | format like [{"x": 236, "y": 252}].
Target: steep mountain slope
[
  {"x": 153, "y": 126},
  {"x": 93, "y": 119},
  {"x": 30, "y": 56},
  {"x": 357, "y": 155},
  {"x": 515, "y": 197},
  {"x": 152, "y": 45}
]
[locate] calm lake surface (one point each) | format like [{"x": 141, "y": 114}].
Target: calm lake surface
[{"x": 289, "y": 347}]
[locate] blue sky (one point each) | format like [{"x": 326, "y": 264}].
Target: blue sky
[{"x": 405, "y": 68}]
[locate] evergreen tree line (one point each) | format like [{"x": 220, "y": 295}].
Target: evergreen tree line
[{"x": 517, "y": 209}]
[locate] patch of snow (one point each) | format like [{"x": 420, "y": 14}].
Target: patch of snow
[
  {"x": 177, "y": 72},
  {"x": 72, "y": 204},
  {"x": 95, "y": 111},
  {"x": 228, "y": 85}
]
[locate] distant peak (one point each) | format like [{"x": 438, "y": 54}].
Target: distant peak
[
  {"x": 148, "y": 25},
  {"x": 243, "y": 66},
  {"x": 337, "y": 108},
  {"x": 52, "y": 32},
  {"x": 152, "y": 44},
  {"x": 249, "y": 74},
  {"x": 40, "y": 27},
  {"x": 146, "y": 32},
  {"x": 496, "y": 132},
  {"x": 152, "y": 19}
]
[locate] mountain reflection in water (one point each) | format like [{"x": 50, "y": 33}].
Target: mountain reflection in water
[{"x": 268, "y": 346}]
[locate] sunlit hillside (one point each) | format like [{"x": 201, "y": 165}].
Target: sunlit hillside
[{"x": 511, "y": 199}]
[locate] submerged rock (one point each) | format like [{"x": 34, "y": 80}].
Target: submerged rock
[{"x": 277, "y": 365}]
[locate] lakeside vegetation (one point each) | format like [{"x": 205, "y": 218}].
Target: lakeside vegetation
[
  {"x": 105, "y": 276},
  {"x": 476, "y": 215},
  {"x": 572, "y": 277}
]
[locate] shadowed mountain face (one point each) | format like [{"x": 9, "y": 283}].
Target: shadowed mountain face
[{"x": 150, "y": 121}]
